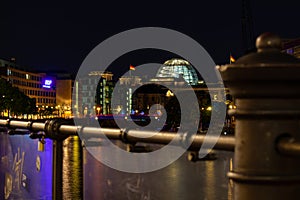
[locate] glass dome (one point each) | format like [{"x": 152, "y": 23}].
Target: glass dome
[{"x": 175, "y": 67}]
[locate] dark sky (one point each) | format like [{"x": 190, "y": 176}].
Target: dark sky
[{"x": 56, "y": 36}]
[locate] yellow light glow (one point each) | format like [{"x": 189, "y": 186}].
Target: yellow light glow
[
  {"x": 215, "y": 97},
  {"x": 169, "y": 93},
  {"x": 208, "y": 108}
]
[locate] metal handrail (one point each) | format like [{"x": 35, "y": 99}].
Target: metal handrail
[
  {"x": 226, "y": 143},
  {"x": 285, "y": 145},
  {"x": 288, "y": 146}
]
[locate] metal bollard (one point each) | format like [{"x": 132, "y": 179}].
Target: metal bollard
[{"x": 266, "y": 87}]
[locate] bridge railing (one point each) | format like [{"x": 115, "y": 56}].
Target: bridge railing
[
  {"x": 59, "y": 129},
  {"x": 55, "y": 129}
]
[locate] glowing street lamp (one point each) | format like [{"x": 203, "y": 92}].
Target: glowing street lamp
[
  {"x": 208, "y": 108},
  {"x": 98, "y": 110}
]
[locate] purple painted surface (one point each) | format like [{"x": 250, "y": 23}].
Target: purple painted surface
[{"x": 25, "y": 173}]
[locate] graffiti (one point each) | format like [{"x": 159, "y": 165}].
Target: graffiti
[
  {"x": 14, "y": 179},
  {"x": 135, "y": 190},
  {"x": 18, "y": 168},
  {"x": 8, "y": 185}
]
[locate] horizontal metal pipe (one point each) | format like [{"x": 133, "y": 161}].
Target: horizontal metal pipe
[
  {"x": 37, "y": 126},
  {"x": 19, "y": 124},
  {"x": 89, "y": 132},
  {"x": 288, "y": 146},
  {"x": 3, "y": 122},
  {"x": 150, "y": 136},
  {"x": 69, "y": 129},
  {"x": 222, "y": 142},
  {"x": 131, "y": 136},
  {"x": 94, "y": 132},
  {"x": 225, "y": 143}
]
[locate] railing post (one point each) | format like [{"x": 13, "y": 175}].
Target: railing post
[
  {"x": 52, "y": 132},
  {"x": 266, "y": 87},
  {"x": 57, "y": 181}
]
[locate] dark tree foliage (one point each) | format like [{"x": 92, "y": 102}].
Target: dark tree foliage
[{"x": 15, "y": 101}]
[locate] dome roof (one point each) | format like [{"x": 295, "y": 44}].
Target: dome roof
[
  {"x": 176, "y": 61},
  {"x": 175, "y": 67}
]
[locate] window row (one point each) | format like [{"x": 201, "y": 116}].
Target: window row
[
  {"x": 27, "y": 84},
  {"x": 23, "y": 75},
  {"x": 45, "y": 100},
  {"x": 89, "y": 81},
  {"x": 38, "y": 93}
]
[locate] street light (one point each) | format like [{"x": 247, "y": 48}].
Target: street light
[{"x": 98, "y": 110}]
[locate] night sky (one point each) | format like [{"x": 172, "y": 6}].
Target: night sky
[{"x": 58, "y": 36}]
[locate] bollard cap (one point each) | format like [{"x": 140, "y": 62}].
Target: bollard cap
[
  {"x": 268, "y": 41},
  {"x": 268, "y": 47},
  {"x": 264, "y": 72}
]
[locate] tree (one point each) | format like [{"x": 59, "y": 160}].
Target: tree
[{"x": 14, "y": 101}]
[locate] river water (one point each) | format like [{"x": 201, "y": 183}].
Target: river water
[
  {"x": 86, "y": 178},
  {"x": 182, "y": 179}
]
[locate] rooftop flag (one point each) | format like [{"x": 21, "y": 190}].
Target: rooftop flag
[
  {"x": 232, "y": 60},
  {"x": 131, "y": 67}
]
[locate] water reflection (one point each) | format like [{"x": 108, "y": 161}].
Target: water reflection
[
  {"x": 180, "y": 180},
  {"x": 72, "y": 168},
  {"x": 209, "y": 180}
]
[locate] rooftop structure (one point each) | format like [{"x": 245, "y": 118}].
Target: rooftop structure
[{"x": 178, "y": 68}]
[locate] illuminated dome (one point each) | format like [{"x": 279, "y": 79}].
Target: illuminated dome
[{"x": 175, "y": 67}]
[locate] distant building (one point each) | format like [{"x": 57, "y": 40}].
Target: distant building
[
  {"x": 149, "y": 95},
  {"x": 124, "y": 103},
  {"x": 64, "y": 89},
  {"x": 291, "y": 46},
  {"x": 35, "y": 85},
  {"x": 181, "y": 75},
  {"x": 174, "y": 72},
  {"x": 178, "y": 68},
  {"x": 92, "y": 94}
]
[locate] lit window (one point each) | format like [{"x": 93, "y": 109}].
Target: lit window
[
  {"x": 290, "y": 51},
  {"x": 215, "y": 97},
  {"x": 176, "y": 68},
  {"x": 27, "y": 76}
]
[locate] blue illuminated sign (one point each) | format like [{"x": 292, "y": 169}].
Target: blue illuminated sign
[{"x": 47, "y": 83}]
